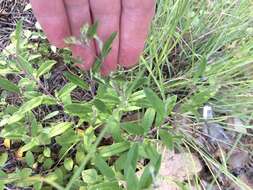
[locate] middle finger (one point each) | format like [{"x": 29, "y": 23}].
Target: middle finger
[{"x": 107, "y": 13}]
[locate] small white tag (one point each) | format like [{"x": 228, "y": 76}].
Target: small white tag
[{"x": 207, "y": 112}]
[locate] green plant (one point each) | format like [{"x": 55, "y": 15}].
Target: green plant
[
  {"x": 84, "y": 126},
  {"x": 78, "y": 130}
]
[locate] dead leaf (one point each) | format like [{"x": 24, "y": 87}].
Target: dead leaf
[
  {"x": 237, "y": 125},
  {"x": 238, "y": 159},
  {"x": 248, "y": 183},
  {"x": 7, "y": 143},
  {"x": 177, "y": 168}
]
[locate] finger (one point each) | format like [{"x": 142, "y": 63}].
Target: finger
[
  {"x": 53, "y": 19},
  {"x": 79, "y": 14},
  {"x": 135, "y": 22},
  {"x": 107, "y": 13}
]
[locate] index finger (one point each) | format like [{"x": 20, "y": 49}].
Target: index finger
[{"x": 53, "y": 19}]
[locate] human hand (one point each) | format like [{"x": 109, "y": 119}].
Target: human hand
[{"x": 129, "y": 18}]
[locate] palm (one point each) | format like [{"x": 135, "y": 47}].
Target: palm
[{"x": 129, "y": 18}]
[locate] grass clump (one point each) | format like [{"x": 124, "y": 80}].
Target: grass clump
[{"x": 66, "y": 129}]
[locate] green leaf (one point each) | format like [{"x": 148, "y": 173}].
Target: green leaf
[
  {"x": 21, "y": 62},
  {"x": 150, "y": 171},
  {"x": 157, "y": 104},
  {"x": 26, "y": 107},
  {"x": 92, "y": 30},
  {"x": 130, "y": 167},
  {"x": 51, "y": 115},
  {"x": 170, "y": 104},
  {"x": 3, "y": 158},
  {"x": 108, "y": 185},
  {"x": 169, "y": 139},
  {"x": 101, "y": 106},
  {"x": 121, "y": 162},
  {"x": 166, "y": 138},
  {"x": 66, "y": 90},
  {"x": 132, "y": 128},
  {"x": 48, "y": 163},
  {"x": 148, "y": 119},
  {"x": 47, "y": 152},
  {"x": 114, "y": 129},
  {"x": 76, "y": 109},
  {"x": 90, "y": 176},
  {"x": 59, "y": 129},
  {"x": 76, "y": 80},
  {"x": 139, "y": 81},
  {"x": 30, "y": 105},
  {"x": 107, "y": 45},
  {"x": 29, "y": 158},
  {"x": 132, "y": 180},
  {"x": 45, "y": 67},
  {"x": 200, "y": 69},
  {"x": 103, "y": 167},
  {"x": 132, "y": 157},
  {"x": 114, "y": 149},
  {"x": 198, "y": 99},
  {"x": 31, "y": 144},
  {"x": 89, "y": 138},
  {"x": 9, "y": 86},
  {"x": 68, "y": 164}
]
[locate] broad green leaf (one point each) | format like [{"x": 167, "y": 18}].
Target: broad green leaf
[
  {"x": 78, "y": 109},
  {"x": 69, "y": 137},
  {"x": 198, "y": 99},
  {"x": 157, "y": 104},
  {"x": 114, "y": 129},
  {"x": 47, "y": 163},
  {"x": 59, "y": 129},
  {"x": 132, "y": 157},
  {"x": 9, "y": 86},
  {"x": 30, "y": 105},
  {"x": 33, "y": 143},
  {"x": 45, "y": 67},
  {"x": 147, "y": 150},
  {"x": 166, "y": 138},
  {"x": 80, "y": 156},
  {"x": 90, "y": 176},
  {"x": 101, "y": 106},
  {"x": 169, "y": 139},
  {"x": 150, "y": 171},
  {"x": 66, "y": 90},
  {"x": 103, "y": 167},
  {"x": 132, "y": 180},
  {"x": 68, "y": 164},
  {"x": 132, "y": 128},
  {"x": 148, "y": 119},
  {"x": 48, "y": 100},
  {"x": 130, "y": 167},
  {"x": 108, "y": 185},
  {"x": 26, "y": 107},
  {"x": 47, "y": 152},
  {"x": 3, "y": 158},
  {"x": 89, "y": 138},
  {"x": 24, "y": 173},
  {"x": 121, "y": 162},
  {"x": 114, "y": 149},
  {"x": 29, "y": 158},
  {"x": 76, "y": 80},
  {"x": 21, "y": 62}
]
